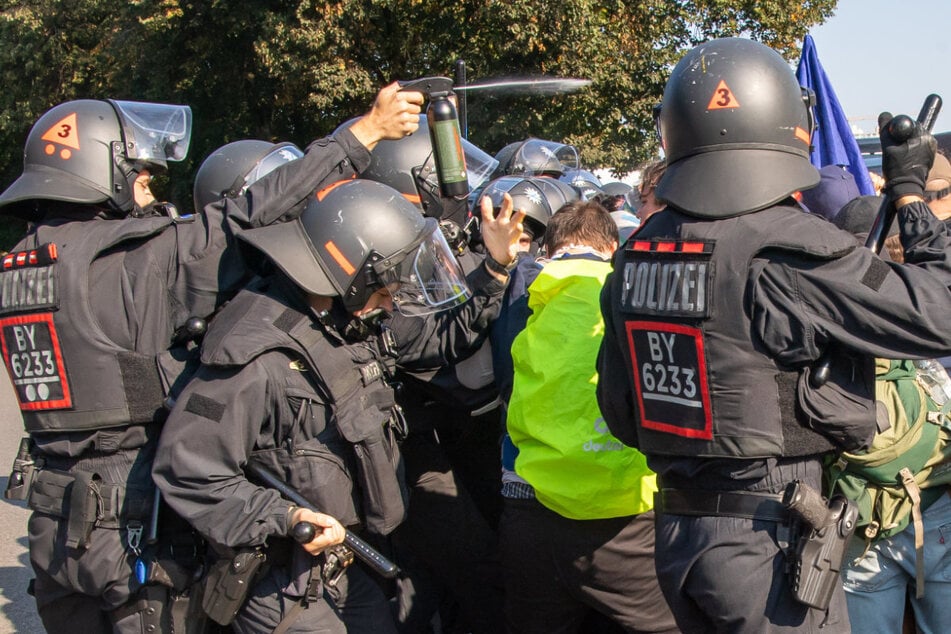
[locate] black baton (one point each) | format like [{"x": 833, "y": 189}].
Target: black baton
[
  {"x": 363, "y": 551},
  {"x": 900, "y": 128}
]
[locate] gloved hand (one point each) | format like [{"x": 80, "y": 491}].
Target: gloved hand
[{"x": 907, "y": 155}]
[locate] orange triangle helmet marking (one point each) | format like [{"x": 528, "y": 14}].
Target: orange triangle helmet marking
[
  {"x": 65, "y": 132},
  {"x": 722, "y": 98}
]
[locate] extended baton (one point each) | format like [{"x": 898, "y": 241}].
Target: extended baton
[
  {"x": 363, "y": 551},
  {"x": 900, "y": 128}
]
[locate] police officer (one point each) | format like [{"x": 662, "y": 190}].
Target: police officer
[
  {"x": 295, "y": 375},
  {"x": 447, "y": 547},
  {"x": 90, "y": 304},
  {"x": 715, "y": 316}
]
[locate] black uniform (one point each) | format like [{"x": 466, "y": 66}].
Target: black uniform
[
  {"x": 715, "y": 322},
  {"x": 281, "y": 385},
  {"x": 132, "y": 283},
  {"x": 448, "y": 545}
]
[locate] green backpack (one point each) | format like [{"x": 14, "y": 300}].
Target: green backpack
[{"x": 909, "y": 462}]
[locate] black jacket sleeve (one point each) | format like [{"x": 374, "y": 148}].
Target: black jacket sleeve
[
  {"x": 219, "y": 419},
  {"x": 860, "y": 302}
]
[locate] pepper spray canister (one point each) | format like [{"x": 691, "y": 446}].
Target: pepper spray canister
[{"x": 444, "y": 134}]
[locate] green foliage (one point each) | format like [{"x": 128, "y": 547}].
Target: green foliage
[{"x": 296, "y": 69}]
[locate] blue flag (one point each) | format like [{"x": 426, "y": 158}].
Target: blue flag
[{"x": 833, "y": 142}]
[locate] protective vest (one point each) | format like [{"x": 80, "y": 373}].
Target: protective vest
[
  {"x": 347, "y": 378},
  {"x": 577, "y": 468},
  {"x": 702, "y": 387},
  {"x": 67, "y": 373}
]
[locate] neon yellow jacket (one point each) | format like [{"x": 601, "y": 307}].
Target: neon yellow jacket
[{"x": 565, "y": 451}]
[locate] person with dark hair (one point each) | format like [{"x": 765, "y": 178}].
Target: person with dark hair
[
  {"x": 647, "y": 190},
  {"x": 740, "y": 338},
  {"x": 577, "y": 531}
]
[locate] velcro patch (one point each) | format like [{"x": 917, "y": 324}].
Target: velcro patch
[
  {"x": 669, "y": 278},
  {"x": 205, "y": 407},
  {"x": 875, "y": 274}
]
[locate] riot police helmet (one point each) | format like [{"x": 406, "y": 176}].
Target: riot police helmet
[
  {"x": 528, "y": 195},
  {"x": 358, "y": 236},
  {"x": 736, "y": 129},
  {"x": 408, "y": 165},
  {"x": 89, "y": 152},
  {"x": 231, "y": 169},
  {"x": 537, "y": 157},
  {"x": 588, "y": 185}
]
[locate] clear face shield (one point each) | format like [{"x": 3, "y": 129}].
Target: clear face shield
[
  {"x": 273, "y": 160},
  {"x": 428, "y": 279},
  {"x": 479, "y": 167},
  {"x": 155, "y": 132},
  {"x": 536, "y": 157}
]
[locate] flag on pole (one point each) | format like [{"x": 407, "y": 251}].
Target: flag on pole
[{"x": 833, "y": 142}]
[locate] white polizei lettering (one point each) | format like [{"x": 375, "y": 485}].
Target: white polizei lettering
[
  {"x": 690, "y": 283},
  {"x": 629, "y": 270},
  {"x": 653, "y": 342},
  {"x": 640, "y": 285},
  {"x": 652, "y": 286},
  {"x": 701, "y": 287},
  {"x": 676, "y": 270},
  {"x": 669, "y": 340}
]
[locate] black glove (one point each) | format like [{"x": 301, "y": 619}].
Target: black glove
[{"x": 907, "y": 155}]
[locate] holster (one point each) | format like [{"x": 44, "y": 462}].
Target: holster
[
  {"x": 21, "y": 474},
  {"x": 814, "y": 564},
  {"x": 228, "y": 583}
]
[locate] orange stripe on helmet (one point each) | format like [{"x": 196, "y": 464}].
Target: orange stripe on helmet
[{"x": 340, "y": 258}]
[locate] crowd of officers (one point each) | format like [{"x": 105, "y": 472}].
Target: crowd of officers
[{"x": 549, "y": 411}]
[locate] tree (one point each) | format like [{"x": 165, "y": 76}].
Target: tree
[{"x": 296, "y": 69}]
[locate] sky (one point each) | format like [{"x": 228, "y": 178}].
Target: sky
[{"x": 887, "y": 55}]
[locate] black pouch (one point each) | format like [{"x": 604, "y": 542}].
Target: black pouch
[
  {"x": 371, "y": 430},
  {"x": 228, "y": 583}
]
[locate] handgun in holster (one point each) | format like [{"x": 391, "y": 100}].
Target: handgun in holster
[
  {"x": 814, "y": 564},
  {"x": 21, "y": 475}
]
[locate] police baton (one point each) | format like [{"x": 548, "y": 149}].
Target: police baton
[
  {"x": 900, "y": 128},
  {"x": 362, "y": 550}
]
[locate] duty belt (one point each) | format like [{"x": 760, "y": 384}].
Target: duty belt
[
  {"x": 749, "y": 505},
  {"x": 86, "y": 502}
]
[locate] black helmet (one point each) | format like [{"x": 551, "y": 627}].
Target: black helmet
[
  {"x": 587, "y": 184},
  {"x": 529, "y": 195},
  {"x": 90, "y": 152},
  {"x": 536, "y": 157},
  {"x": 358, "y": 236},
  {"x": 228, "y": 171},
  {"x": 556, "y": 192},
  {"x": 736, "y": 128},
  {"x": 407, "y": 165}
]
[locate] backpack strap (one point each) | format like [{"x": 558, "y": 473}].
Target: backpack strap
[{"x": 911, "y": 487}]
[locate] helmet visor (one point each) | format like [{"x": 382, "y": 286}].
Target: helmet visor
[
  {"x": 274, "y": 159},
  {"x": 429, "y": 279},
  {"x": 479, "y": 165},
  {"x": 538, "y": 157},
  {"x": 155, "y": 131}
]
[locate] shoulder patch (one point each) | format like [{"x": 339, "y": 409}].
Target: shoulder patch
[{"x": 205, "y": 407}]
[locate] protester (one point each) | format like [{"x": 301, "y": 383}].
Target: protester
[
  {"x": 577, "y": 530},
  {"x": 716, "y": 318}
]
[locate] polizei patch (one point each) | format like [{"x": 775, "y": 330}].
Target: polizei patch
[{"x": 667, "y": 278}]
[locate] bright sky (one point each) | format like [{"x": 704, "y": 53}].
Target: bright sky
[{"x": 888, "y": 55}]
